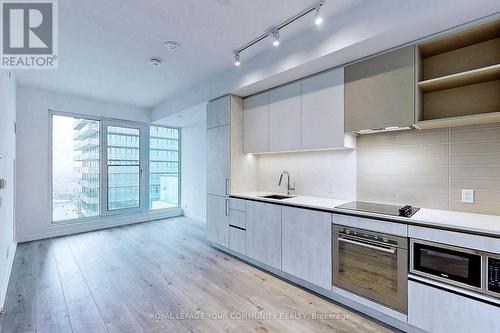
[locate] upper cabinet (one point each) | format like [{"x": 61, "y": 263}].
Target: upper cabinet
[
  {"x": 380, "y": 91},
  {"x": 284, "y": 117},
  {"x": 218, "y": 112},
  {"x": 256, "y": 123},
  {"x": 458, "y": 77},
  {"x": 304, "y": 115},
  {"x": 322, "y": 124}
]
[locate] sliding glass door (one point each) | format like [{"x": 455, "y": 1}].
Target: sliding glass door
[{"x": 124, "y": 162}]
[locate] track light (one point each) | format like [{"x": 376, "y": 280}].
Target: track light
[
  {"x": 318, "y": 19},
  {"x": 274, "y": 31},
  {"x": 276, "y": 37}
]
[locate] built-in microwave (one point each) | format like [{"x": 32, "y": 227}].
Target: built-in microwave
[{"x": 462, "y": 267}]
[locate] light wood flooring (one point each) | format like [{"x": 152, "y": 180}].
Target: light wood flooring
[{"x": 157, "y": 277}]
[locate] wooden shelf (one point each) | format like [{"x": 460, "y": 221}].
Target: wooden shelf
[
  {"x": 461, "y": 79},
  {"x": 476, "y": 119}
]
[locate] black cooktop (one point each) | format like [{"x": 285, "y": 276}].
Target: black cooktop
[{"x": 370, "y": 207}]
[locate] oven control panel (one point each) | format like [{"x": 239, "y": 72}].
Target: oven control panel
[{"x": 494, "y": 275}]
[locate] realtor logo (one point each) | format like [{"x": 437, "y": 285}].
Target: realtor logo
[{"x": 29, "y": 34}]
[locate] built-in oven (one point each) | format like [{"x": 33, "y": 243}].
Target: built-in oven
[
  {"x": 467, "y": 268},
  {"x": 371, "y": 265}
]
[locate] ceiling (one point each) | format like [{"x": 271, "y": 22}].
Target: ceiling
[{"x": 105, "y": 46}]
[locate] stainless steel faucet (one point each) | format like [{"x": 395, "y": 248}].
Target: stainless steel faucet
[{"x": 289, "y": 187}]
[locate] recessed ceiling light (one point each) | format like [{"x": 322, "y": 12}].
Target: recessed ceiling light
[
  {"x": 156, "y": 62},
  {"x": 224, "y": 2},
  {"x": 171, "y": 45}
]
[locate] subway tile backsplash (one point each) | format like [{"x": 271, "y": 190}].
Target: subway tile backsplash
[{"x": 428, "y": 168}]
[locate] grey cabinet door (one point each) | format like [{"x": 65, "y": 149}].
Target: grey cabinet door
[
  {"x": 436, "y": 310},
  {"x": 256, "y": 123},
  {"x": 323, "y": 110},
  {"x": 307, "y": 245},
  {"x": 218, "y": 112},
  {"x": 218, "y": 219},
  {"x": 218, "y": 160},
  {"x": 284, "y": 117},
  {"x": 237, "y": 240},
  {"x": 263, "y": 234},
  {"x": 380, "y": 91}
]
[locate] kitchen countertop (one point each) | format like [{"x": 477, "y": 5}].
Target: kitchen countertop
[{"x": 488, "y": 225}]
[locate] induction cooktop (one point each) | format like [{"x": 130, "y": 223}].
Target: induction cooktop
[{"x": 384, "y": 209}]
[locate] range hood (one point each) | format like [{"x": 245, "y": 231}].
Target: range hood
[{"x": 384, "y": 129}]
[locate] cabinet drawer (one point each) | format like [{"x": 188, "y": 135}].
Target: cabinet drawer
[
  {"x": 392, "y": 228},
  {"x": 439, "y": 311},
  {"x": 238, "y": 204},
  {"x": 237, "y": 240},
  {"x": 237, "y": 218}
]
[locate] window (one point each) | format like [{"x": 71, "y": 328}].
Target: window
[
  {"x": 75, "y": 168},
  {"x": 88, "y": 181},
  {"x": 163, "y": 167}
]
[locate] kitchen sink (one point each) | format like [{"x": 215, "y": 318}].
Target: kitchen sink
[{"x": 276, "y": 196}]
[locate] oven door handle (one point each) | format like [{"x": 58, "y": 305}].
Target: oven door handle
[{"x": 390, "y": 250}]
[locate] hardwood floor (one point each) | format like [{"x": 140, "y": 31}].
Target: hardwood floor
[{"x": 157, "y": 277}]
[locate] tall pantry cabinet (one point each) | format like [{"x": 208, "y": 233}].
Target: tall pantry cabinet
[{"x": 228, "y": 170}]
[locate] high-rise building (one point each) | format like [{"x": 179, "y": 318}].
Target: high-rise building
[
  {"x": 163, "y": 167},
  {"x": 87, "y": 159},
  {"x": 123, "y": 167}
]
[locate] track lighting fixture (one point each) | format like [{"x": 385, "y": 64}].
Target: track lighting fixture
[
  {"x": 275, "y": 34},
  {"x": 276, "y": 37},
  {"x": 318, "y": 19}
]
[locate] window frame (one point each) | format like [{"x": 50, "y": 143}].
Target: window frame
[{"x": 104, "y": 213}]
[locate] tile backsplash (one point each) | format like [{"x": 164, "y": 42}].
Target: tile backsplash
[
  {"x": 330, "y": 174},
  {"x": 428, "y": 168}
]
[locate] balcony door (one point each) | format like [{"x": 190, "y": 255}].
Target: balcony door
[{"x": 124, "y": 163}]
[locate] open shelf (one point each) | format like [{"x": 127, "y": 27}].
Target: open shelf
[
  {"x": 476, "y": 119},
  {"x": 458, "y": 77},
  {"x": 461, "y": 79}
]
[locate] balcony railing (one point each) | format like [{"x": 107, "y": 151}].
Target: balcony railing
[
  {"x": 163, "y": 146},
  {"x": 86, "y": 156},
  {"x": 79, "y": 123},
  {"x": 89, "y": 184},
  {"x": 86, "y": 131},
  {"x": 86, "y": 144}
]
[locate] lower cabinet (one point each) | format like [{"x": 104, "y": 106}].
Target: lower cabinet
[
  {"x": 307, "y": 245},
  {"x": 237, "y": 240},
  {"x": 263, "y": 233},
  {"x": 439, "y": 311},
  {"x": 218, "y": 219}
]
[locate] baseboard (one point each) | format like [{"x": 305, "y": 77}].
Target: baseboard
[
  {"x": 194, "y": 217},
  {"x": 6, "y": 278},
  {"x": 76, "y": 228}
]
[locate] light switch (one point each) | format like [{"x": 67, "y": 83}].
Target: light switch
[{"x": 3, "y": 183}]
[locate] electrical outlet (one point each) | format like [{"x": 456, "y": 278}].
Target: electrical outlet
[{"x": 467, "y": 196}]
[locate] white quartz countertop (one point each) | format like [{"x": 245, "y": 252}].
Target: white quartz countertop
[{"x": 465, "y": 222}]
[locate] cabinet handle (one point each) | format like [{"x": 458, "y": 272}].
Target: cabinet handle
[
  {"x": 227, "y": 207},
  {"x": 227, "y": 186}
]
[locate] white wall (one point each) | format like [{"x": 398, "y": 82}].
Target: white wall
[
  {"x": 33, "y": 212},
  {"x": 330, "y": 174},
  {"x": 194, "y": 170},
  {"x": 8, "y": 156}
]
